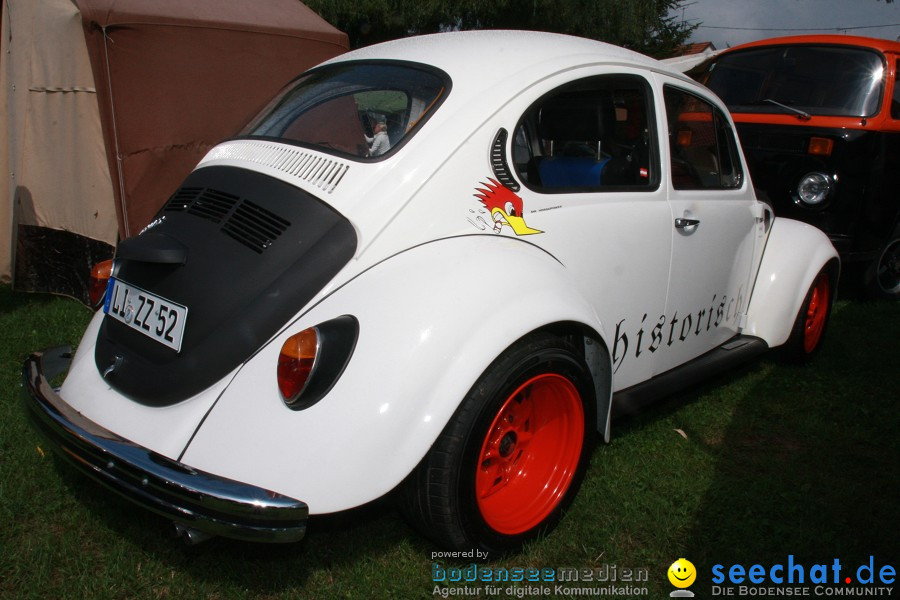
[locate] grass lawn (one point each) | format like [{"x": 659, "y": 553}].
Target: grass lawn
[{"x": 761, "y": 463}]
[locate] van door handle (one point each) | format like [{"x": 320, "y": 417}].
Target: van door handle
[{"x": 682, "y": 223}]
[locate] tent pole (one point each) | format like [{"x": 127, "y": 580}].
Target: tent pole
[{"x": 112, "y": 109}]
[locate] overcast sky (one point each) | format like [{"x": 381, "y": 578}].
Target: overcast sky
[{"x": 733, "y": 22}]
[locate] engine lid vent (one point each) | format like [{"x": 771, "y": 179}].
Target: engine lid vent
[
  {"x": 323, "y": 172},
  {"x": 254, "y": 226},
  {"x": 213, "y": 205},
  {"x": 243, "y": 220}
]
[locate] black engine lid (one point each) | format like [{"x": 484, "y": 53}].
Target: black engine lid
[{"x": 243, "y": 252}]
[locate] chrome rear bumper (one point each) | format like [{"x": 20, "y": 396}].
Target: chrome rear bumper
[{"x": 200, "y": 500}]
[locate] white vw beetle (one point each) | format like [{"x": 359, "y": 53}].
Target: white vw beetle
[{"x": 430, "y": 267}]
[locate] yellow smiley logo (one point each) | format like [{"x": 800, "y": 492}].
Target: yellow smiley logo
[{"x": 682, "y": 573}]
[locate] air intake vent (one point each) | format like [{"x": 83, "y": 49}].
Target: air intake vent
[
  {"x": 206, "y": 203},
  {"x": 320, "y": 171},
  {"x": 242, "y": 220},
  {"x": 181, "y": 199},
  {"x": 213, "y": 205},
  {"x": 498, "y": 161},
  {"x": 254, "y": 226}
]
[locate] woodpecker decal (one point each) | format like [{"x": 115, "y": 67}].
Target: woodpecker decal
[{"x": 505, "y": 208}]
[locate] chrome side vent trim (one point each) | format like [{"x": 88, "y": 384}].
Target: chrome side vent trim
[
  {"x": 321, "y": 171},
  {"x": 499, "y": 164}
]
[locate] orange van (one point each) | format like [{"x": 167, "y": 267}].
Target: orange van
[{"x": 819, "y": 121}]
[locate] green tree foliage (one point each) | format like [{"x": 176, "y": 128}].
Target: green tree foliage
[{"x": 642, "y": 25}]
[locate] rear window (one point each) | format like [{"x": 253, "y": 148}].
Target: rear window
[
  {"x": 364, "y": 110},
  {"x": 817, "y": 80}
]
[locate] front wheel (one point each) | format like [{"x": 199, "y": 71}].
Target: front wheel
[
  {"x": 512, "y": 456},
  {"x": 809, "y": 327}
]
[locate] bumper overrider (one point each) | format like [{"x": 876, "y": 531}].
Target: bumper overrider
[{"x": 195, "y": 499}]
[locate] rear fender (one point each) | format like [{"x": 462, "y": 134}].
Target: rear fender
[
  {"x": 431, "y": 320},
  {"x": 794, "y": 254}
]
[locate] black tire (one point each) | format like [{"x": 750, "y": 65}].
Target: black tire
[
  {"x": 533, "y": 410},
  {"x": 882, "y": 277},
  {"x": 808, "y": 331}
]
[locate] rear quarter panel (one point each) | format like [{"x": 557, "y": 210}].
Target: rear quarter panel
[{"x": 429, "y": 326}]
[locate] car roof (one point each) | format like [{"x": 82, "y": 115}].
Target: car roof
[
  {"x": 484, "y": 56},
  {"x": 822, "y": 39}
]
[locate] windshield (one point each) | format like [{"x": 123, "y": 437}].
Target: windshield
[
  {"x": 360, "y": 109},
  {"x": 818, "y": 80}
]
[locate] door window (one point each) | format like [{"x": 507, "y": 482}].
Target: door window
[{"x": 701, "y": 143}]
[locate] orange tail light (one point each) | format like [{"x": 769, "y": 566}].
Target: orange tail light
[
  {"x": 296, "y": 363},
  {"x": 100, "y": 275}
]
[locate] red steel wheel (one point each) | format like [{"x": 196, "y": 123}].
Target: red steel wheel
[
  {"x": 513, "y": 455},
  {"x": 816, "y": 313},
  {"x": 812, "y": 319},
  {"x": 530, "y": 454}
]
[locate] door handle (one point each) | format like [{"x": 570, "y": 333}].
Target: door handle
[{"x": 682, "y": 223}]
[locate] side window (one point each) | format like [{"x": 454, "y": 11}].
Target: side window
[
  {"x": 590, "y": 135},
  {"x": 701, "y": 144}
]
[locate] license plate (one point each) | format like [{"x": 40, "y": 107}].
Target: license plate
[{"x": 155, "y": 317}]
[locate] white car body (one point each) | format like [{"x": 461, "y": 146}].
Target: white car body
[{"x": 440, "y": 289}]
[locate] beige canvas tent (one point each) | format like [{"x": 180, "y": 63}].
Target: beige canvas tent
[{"x": 108, "y": 104}]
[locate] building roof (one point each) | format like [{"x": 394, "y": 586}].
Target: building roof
[{"x": 696, "y": 48}]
